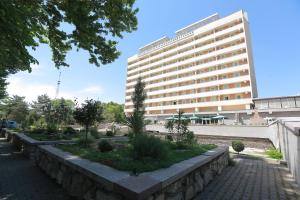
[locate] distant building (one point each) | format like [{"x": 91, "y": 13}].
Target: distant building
[
  {"x": 284, "y": 106},
  {"x": 206, "y": 68}
]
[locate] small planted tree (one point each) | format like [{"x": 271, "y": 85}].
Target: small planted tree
[
  {"x": 88, "y": 114},
  {"x": 238, "y": 146},
  {"x": 136, "y": 120},
  {"x": 170, "y": 127},
  {"x": 179, "y": 128}
]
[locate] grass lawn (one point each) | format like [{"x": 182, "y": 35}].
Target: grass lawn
[
  {"x": 122, "y": 159},
  {"x": 274, "y": 153}
]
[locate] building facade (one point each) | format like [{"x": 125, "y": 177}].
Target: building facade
[{"x": 206, "y": 68}]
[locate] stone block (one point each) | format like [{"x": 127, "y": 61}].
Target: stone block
[
  {"x": 175, "y": 187},
  {"x": 178, "y": 196},
  {"x": 198, "y": 185},
  {"x": 101, "y": 195},
  {"x": 207, "y": 175},
  {"x": 160, "y": 197},
  {"x": 59, "y": 177},
  {"x": 189, "y": 193}
]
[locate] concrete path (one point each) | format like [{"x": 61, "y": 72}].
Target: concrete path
[
  {"x": 253, "y": 179},
  {"x": 20, "y": 179}
]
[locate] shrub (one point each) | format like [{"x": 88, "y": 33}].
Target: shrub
[
  {"x": 94, "y": 133},
  {"x": 110, "y": 133},
  {"x": 169, "y": 137},
  {"x": 38, "y": 131},
  {"x": 52, "y": 128},
  {"x": 181, "y": 145},
  {"x": 189, "y": 138},
  {"x": 238, "y": 146},
  {"x": 274, "y": 153},
  {"x": 145, "y": 146},
  {"x": 69, "y": 131},
  {"x": 105, "y": 146},
  {"x": 83, "y": 142}
]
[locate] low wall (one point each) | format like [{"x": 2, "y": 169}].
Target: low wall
[
  {"x": 223, "y": 130},
  {"x": 26, "y": 144},
  {"x": 93, "y": 181},
  {"x": 288, "y": 135}
]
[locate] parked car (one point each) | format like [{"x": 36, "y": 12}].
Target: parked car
[{"x": 9, "y": 124}]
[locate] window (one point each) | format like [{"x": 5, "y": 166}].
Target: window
[
  {"x": 226, "y": 98},
  {"x": 238, "y": 96},
  {"x": 237, "y": 85}
]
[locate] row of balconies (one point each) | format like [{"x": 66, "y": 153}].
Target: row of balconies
[
  {"x": 216, "y": 68},
  {"x": 234, "y": 41},
  {"x": 231, "y": 91},
  {"x": 213, "y": 60},
  {"x": 199, "y": 76},
  {"x": 210, "y": 81},
  {"x": 215, "y": 101},
  {"x": 192, "y": 47},
  {"x": 203, "y": 36}
]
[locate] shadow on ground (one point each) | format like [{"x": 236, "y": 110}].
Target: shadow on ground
[{"x": 20, "y": 179}]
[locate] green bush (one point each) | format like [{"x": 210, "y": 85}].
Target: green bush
[
  {"x": 83, "y": 142},
  {"x": 169, "y": 137},
  {"x": 105, "y": 146},
  {"x": 238, "y": 146},
  {"x": 181, "y": 145},
  {"x": 38, "y": 131},
  {"x": 145, "y": 146},
  {"x": 52, "y": 128},
  {"x": 189, "y": 138},
  {"x": 69, "y": 131},
  {"x": 110, "y": 133},
  {"x": 94, "y": 133},
  {"x": 274, "y": 153}
]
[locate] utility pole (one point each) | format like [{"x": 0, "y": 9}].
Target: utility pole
[{"x": 57, "y": 86}]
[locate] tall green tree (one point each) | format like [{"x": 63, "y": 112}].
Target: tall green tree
[
  {"x": 62, "y": 111},
  {"x": 88, "y": 114},
  {"x": 91, "y": 25},
  {"x": 15, "y": 108},
  {"x": 42, "y": 105},
  {"x": 113, "y": 112},
  {"x": 136, "y": 120}
]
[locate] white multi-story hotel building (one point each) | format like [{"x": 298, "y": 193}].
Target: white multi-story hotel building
[{"x": 206, "y": 68}]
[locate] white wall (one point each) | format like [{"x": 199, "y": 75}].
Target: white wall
[{"x": 221, "y": 130}]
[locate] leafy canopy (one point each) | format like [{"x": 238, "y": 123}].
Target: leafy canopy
[
  {"x": 88, "y": 113},
  {"x": 91, "y": 25},
  {"x": 15, "y": 108}
]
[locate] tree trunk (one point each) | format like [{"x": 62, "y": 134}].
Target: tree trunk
[{"x": 86, "y": 135}]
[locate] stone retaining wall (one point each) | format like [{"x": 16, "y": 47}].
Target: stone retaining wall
[
  {"x": 88, "y": 180},
  {"x": 26, "y": 144},
  {"x": 93, "y": 181}
]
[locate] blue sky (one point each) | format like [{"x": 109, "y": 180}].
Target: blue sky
[{"x": 275, "y": 32}]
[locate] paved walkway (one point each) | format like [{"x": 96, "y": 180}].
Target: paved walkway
[
  {"x": 252, "y": 179},
  {"x": 20, "y": 179}
]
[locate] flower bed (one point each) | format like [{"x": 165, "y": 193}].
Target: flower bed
[{"x": 122, "y": 159}]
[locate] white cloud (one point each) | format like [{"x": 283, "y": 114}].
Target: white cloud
[
  {"x": 92, "y": 90},
  {"x": 30, "y": 90},
  {"x": 23, "y": 87}
]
